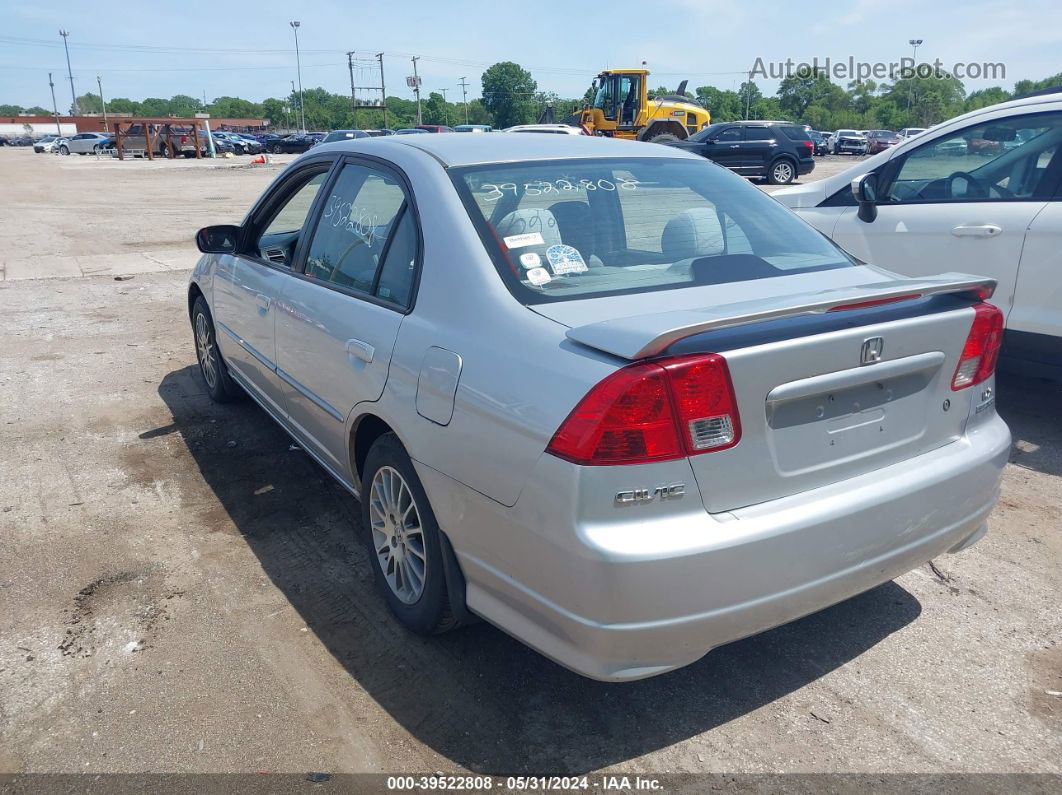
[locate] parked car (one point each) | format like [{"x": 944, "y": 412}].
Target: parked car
[
  {"x": 880, "y": 140},
  {"x": 21, "y": 140},
  {"x": 714, "y": 421},
  {"x": 473, "y": 128},
  {"x": 411, "y": 131},
  {"x": 268, "y": 138},
  {"x": 292, "y": 143},
  {"x": 849, "y": 142},
  {"x": 911, "y": 132},
  {"x": 996, "y": 210},
  {"x": 435, "y": 128},
  {"x": 345, "y": 135},
  {"x": 241, "y": 145},
  {"x": 84, "y": 143},
  {"x": 559, "y": 129},
  {"x": 46, "y": 143},
  {"x": 819, "y": 140},
  {"x": 778, "y": 151}
]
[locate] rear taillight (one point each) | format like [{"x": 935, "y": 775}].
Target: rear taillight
[
  {"x": 653, "y": 411},
  {"x": 809, "y": 146},
  {"x": 981, "y": 351}
]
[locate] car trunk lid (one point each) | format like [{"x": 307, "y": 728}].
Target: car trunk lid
[{"x": 829, "y": 383}]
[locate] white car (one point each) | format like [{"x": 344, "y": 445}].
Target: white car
[
  {"x": 562, "y": 129},
  {"x": 46, "y": 143},
  {"x": 911, "y": 132},
  {"x": 983, "y": 193},
  {"x": 83, "y": 143}
]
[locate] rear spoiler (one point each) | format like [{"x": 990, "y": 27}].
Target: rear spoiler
[{"x": 642, "y": 336}]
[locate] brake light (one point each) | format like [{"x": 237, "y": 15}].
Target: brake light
[
  {"x": 653, "y": 411},
  {"x": 184, "y": 139},
  {"x": 981, "y": 351},
  {"x": 809, "y": 146}
]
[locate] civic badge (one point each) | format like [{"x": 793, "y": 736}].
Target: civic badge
[{"x": 873, "y": 348}]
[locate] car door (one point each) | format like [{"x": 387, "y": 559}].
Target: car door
[
  {"x": 725, "y": 148},
  {"x": 339, "y": 319},
  {"x": 247, "y": 285},
  {"x": 962, "y": 201},
  {"x": 757, "y": 150},
  {"x": 1034, "y": 328}
]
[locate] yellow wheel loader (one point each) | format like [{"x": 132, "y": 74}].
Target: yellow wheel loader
[{"x": 622, "y": 109}]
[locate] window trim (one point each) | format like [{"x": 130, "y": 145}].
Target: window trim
[
  {"x": 298, "y": 271},
  {"x": 892, "y": 168}
]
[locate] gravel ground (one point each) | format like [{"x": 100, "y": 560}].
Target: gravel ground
[{"x": 180, "y": 590}]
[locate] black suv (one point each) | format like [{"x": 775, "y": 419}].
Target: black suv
[{"x": 776, "y": 150}]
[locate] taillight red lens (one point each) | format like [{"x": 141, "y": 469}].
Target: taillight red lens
[
  {"x": 652, "y": 411},
  {"x": 981, "y": 351}
]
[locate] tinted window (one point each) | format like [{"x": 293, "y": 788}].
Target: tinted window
[
  {"x": 794, "y": 133},
  {"x": 758, "y": 134},
  {"x": 570, "y": 229},
  {"x": 278, "y": 240},
  {"x": 999, "y": 160},
  {"x": 358, "y": 218},
  {"x": 731, "y": 134}
]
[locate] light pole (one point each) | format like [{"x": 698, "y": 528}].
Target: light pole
[
  {"x": 915, "y": 44},
  {"x": 70, "y": 74},
  {"x": 416, "y": 88},
  {"x": 55, "y": 107},
  {"x": 103, "y": 102},
  {"x": 298, "y": 67},
  {"x": 446, "y": 109},
  {"x": 294, "y": 108}
]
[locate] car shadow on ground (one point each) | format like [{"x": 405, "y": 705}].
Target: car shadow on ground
[
  {"x": 1032, "y": 408},
  {"x": 476, "y": 696}
]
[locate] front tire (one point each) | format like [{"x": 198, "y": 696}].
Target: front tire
[
  {"x": 63, "y": 150},
  {"x": 781, "y": 172},
  {"x": 219, "y": 384},
  {"x": 403, "y": 539},
  {"x": 661, "y": 138},
  {"x": 276, "y": 149}
]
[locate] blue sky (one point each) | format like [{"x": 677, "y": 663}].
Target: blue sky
[{"x": 246, "y": 48}]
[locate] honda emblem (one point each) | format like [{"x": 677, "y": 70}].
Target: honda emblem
[{"x": 872, "y": 351}]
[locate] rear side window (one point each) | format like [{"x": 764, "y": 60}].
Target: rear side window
[
  {"x": 569, "y": 229},
  {"x": 365, "y": 223},
  {"x": 794, "y": 133},
  {"x": 758, "y": 134}
]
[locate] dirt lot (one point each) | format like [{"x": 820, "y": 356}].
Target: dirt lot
[{"x": 181, "y": 590}]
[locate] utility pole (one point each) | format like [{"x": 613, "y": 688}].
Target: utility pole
[
  {"x": 915, "y": 44},
  {"x": 748, "y": 96},
  {"x": 69, "y": 72},
  {"x": 103, "y": 102},
  {"x": 298, "y": 67},
  {"x": 383, "y": 88},
  {"x": 464, "y": 96},
  {"x": 353, "y": 95},
  {"x": 416, "y": 88},
  {"x": 294, "y": 109},
  {"x": 55, "y": 107}
]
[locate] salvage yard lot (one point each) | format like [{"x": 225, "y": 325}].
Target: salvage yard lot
[{"x": 182, "y": 589}]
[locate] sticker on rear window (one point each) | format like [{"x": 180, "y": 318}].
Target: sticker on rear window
[
  {"x": 526, "y": 239},
  {"x": 538, "y": 276},
  {"x": 565, "y": 259},
  {"x": 530, "y": 260}
]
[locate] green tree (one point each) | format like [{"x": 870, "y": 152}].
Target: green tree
[
  {"x": 124, "y": 105},
  {"x": 985, "y": 97},
  {"x": 722, "y": 105},
  {"x": 37, "y": 110},
  {"x": 10, "y": 110},
  {"x": 508, "y": 93},
  {"x": 184, "y": 106},
  {"x": 89, "y": 103},
  {"x": 155, "y": 106},
  {"x": 235, "y": 108}
]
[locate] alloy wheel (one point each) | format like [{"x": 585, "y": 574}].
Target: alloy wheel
[
  {"x": 397, "y": 534},
  {"x": 783, "y": 172},
  {"x": 205, "y": 350}
]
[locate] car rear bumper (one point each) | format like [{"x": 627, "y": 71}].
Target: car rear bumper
[{"x": 619, "y": 597}]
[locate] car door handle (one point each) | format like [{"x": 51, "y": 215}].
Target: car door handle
[
  {"x": 977, "y": 230},
  {"x": 361, "y": 350},
  {"x": 735, "y": 146},
  {"x": 262, "y": 301}
]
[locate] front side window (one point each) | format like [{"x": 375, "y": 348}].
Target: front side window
[
  {"x": 567, "y": 229},
  {"x": 366, "y": 236},
  {"x": 278, "y": 240},
  {"x": 731, "y": 135},
  {"x": 999, "y": 160}
]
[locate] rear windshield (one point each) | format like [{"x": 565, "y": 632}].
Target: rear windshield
[
  {"x": 590, "y": 227},
  {"x": 794, "y": 133}
]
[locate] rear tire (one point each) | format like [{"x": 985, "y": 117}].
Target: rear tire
[
  {"x": 403, "y": 538},
  {"x": 216, "y": 378},
  {"x": 276, "y": 149},
  {"x": 781, "y": 172}
]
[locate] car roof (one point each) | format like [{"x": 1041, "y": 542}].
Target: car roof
[{"x": 455, "y": 149}]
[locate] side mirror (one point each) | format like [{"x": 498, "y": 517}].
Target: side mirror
[
  {"x": 219, "y": 239},
  {"x": 865, "y": 191}
]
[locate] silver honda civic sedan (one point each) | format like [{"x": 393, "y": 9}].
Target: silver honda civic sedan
[{"x": 603, "y": 394}]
